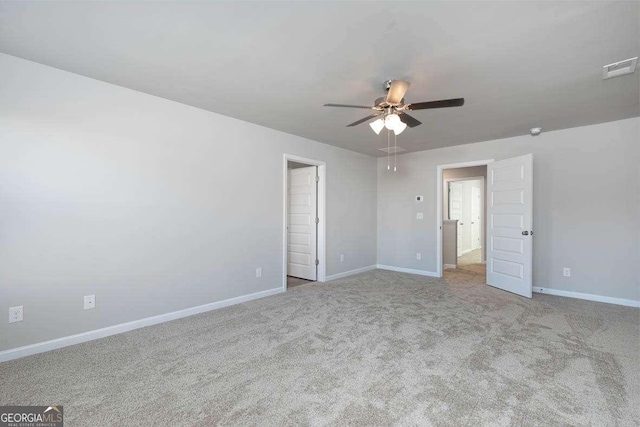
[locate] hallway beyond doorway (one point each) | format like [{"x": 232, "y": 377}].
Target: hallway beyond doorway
[{"x": 472, "y": 262}]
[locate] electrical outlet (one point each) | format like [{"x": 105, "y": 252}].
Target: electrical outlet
[
  {"x": 419, "y": 215},
  {"x": 16, "y": 314},
  {"x": 418, "y": 256},
  {"x": 89, "y": 302},
  {"x": 259, "y": 272},
  {"x": 341, "y": 257},
  {"x": 566, "y": 272}
]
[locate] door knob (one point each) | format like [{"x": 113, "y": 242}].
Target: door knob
[
  {"x": 525, "y": 233},
  {"x": 462, "y": 223}
]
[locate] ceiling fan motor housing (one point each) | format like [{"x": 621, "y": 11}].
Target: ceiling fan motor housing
[{"x": 382, "y": 102}]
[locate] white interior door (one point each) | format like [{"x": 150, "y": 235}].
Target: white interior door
[
  {"x": 301, "y": 228},
  {"x": 476, "y": 217},
  {"x": 455, "y": 211},
  {"x": 510, "y": 219}
]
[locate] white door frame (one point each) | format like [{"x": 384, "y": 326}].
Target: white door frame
[
  {"x": 439, "y": 181},
  {"x": 322, "y": 214}
]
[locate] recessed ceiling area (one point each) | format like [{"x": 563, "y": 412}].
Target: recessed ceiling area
[{"x": 518, "y": 64}]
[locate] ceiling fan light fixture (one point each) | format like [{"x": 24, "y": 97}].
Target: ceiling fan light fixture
[
  {"x": 391, "y": 121},
  {"x": 387, "y": 110},
  {"x": 377, "y": 126},
  {"x": 399, "y": 128}
]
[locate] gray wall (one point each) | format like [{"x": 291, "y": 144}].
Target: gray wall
[
  {"x": 151, "y": 205},
  {"x": 449, "y": 242},
  {"x": 586, "y": 206}
]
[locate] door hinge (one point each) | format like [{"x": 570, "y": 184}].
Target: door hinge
[
  {"x": 317, "y": 220},
  {"x": 317, "y": 178},
  {"x": 317, "y": 262}
]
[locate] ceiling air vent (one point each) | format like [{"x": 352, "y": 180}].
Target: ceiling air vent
[
  {"x": 620, "y": 68},
  {"x": 392, "y": 150}
]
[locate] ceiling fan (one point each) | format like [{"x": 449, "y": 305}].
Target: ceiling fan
[{"x": 393, "y": 109}]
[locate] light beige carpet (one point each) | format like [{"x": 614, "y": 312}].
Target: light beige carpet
[
  {"x": 379, "y": 348},
  {"x": 292, "y": 282},
  {"x": 471, "y": 262},
  {"x": 471, "y": 257}
]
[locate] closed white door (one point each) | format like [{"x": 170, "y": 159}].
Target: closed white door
[
  {"x": 302, "y": 226},
  {"x": 476, "y": 218},
  {"x": 510, "y": 219},
  {"x": 455, "y": 211}
]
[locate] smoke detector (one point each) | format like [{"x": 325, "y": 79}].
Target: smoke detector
[{"x": 620, "y": 68}]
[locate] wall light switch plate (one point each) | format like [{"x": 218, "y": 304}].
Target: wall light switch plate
[
  {"x": 419, "y": 215},
  {"x": 341, "y": 257},
  {"x": 259, "y": 272},
  {"x": 566, "y": 272},
  {"x": 418, "y": 256},
  {"x": 419, "y": 199},
  {"x": 16, "y": 314},
  {"x": 89, "y": 302}
]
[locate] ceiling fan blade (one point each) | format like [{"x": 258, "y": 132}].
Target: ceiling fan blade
[
  {"x": 364, "y": 120},
  {"x": 409, "y": 120},
  {"x": 443, "y": 103},
  {"x": 396, "y": 91},
  {"x": 349, "y": 106}
]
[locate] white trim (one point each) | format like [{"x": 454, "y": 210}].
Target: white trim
[
  {"x": 448, "y": 266},
  {"x": 407, "y": 270},
  {"x": 350, "y": 273},
  {"x": 588, "y": 297},
  {"x": 439, "y": 182},
  {"x": 322, "y": 214},
  {"x": 41, "y": 347}
]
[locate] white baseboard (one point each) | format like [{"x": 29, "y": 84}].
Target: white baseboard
[
  {"x": 407, "y": 270},
  {"x": 41, "y": 347},
  {"x": 448, "y": 266},
  {"x": 589, "y": 297},
  {"x": 350, "y": 273}
]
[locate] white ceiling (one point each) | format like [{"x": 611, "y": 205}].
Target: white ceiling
[{"x": 518, "y": 65}]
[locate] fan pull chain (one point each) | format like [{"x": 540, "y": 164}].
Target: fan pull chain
[
  {"x": 388, "y": 149},
  {"x": 395, "y": 152}
]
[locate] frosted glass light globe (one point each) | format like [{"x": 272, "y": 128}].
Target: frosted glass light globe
[
  {"x": 391, "y": 121},
  {"x": 401, "y": 126},
  {"x": 377, "y": 126}
]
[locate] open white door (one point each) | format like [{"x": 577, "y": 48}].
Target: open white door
[
  {"x": 510, "y": 219},
  {"x": 301, "y": 229}
]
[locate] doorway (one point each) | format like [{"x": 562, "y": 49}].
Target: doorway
[
  {"x": 508, "y": 219},
  {"x": 304, "y": 228},
  {"x": 464, "y": 222}
]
